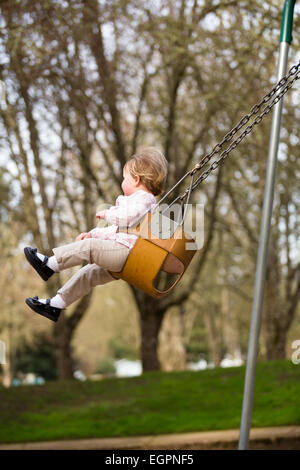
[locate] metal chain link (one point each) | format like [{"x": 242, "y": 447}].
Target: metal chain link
[{"x": 285, "y": 84}]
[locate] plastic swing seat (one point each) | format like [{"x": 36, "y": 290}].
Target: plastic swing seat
[{"x": 152, "y": 256}]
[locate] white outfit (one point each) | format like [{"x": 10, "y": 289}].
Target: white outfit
[
  {"x": 127, "y": 211},
  {"x": 106, "y": 251}
]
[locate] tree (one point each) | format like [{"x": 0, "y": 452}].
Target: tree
[
  {"x": 104, "y": 79},
  {"x": 63, "y": 90}
]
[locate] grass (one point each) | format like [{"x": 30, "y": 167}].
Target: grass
[{"x": 154, "y": 403}]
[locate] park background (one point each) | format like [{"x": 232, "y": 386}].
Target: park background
[{"x": 88, "y": 84}]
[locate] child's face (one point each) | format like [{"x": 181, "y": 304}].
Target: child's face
[{"x": 130, "y": 183}]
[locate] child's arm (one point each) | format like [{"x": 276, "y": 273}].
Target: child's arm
[
  {"x": 100, "y": 215},
  {"x": 100, "y": 232},
  {"x": 128, "y": 212},
  {"x": 84, "y": 235}
]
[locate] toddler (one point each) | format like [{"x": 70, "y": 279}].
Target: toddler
[{"x": 104, "y": 249}]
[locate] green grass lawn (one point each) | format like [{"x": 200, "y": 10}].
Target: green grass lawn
[{"x": 154, "y": 403}]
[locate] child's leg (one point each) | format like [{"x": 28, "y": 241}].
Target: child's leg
[
  {"x": 110, "y": 255},
  {"x": 83, "y": 281},
  {"x": 79, "y": 285},
  {"x": 105, "y": 254}
]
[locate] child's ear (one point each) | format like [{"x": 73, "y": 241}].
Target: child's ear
[{"x": 137, "y": 180}]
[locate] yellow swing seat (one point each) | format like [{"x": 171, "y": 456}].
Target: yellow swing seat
[{"x": 152, "y": 255}]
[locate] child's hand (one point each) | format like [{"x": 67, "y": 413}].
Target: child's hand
[
  {"x": 100, "y": 215},
  {"x": 84, "y": 235}
]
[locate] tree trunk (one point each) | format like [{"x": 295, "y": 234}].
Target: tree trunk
[
  {"x": 151, "y": 322},
  {"x": 275, "y": 324},
  {"x": 275, "y": 338},
  {"x": 5, "y": 360},
  {"x": 213, "y": 337},
  {"x": 231, "y": 337},
  {"x": 275, "y": 329},
  {"x": 172, "y": 347},
  {"x": 63, "y": 335}
]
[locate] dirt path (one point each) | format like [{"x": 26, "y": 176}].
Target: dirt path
[{"x": 276, "y": 438}]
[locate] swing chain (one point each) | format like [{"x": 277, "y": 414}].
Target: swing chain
[{"x": 285, "y": 84}]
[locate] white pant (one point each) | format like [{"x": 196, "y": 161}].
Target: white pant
[{"x": 102, "y": 255}]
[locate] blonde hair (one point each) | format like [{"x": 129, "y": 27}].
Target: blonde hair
[{"x": 151, "y": 166}]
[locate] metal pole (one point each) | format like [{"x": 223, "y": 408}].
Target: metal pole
[{"x": 261, "y": 263}]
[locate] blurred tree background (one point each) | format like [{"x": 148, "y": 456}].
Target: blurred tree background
[{"x": 87, "y": 84}]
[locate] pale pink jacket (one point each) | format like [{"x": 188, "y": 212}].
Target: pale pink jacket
[{"x": 127, "y": 211}]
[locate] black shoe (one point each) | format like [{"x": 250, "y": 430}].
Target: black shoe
[
  {"x": 44, "y": 309},
  {"x": 40, "y": 266}
]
